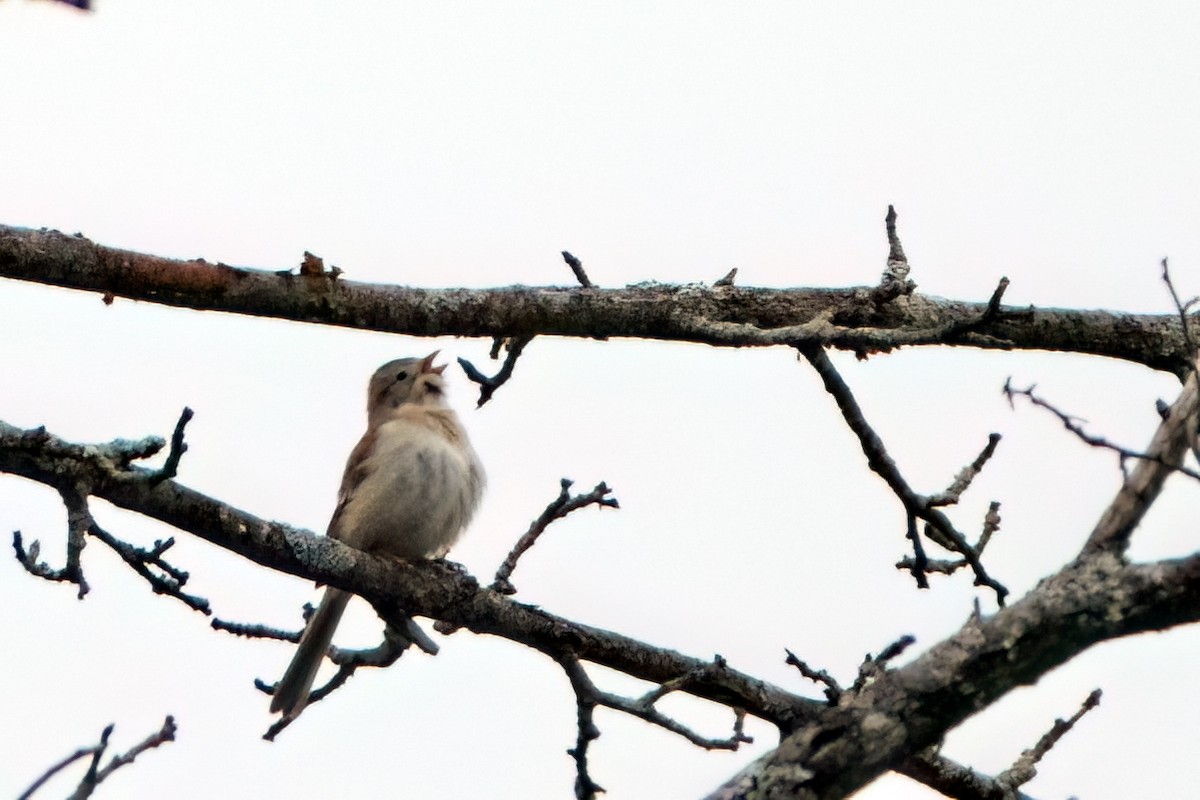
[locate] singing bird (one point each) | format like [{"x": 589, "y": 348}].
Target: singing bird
[{"x": 410, "y": 487}]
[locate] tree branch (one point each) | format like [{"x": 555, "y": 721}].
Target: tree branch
[
  {"x": 95, "y": 775},
  {"x": 435, "y": 589},
  {"x": 726, "y": 316},
  {"x": 903, "y": 711}
]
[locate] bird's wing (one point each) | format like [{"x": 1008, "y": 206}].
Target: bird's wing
[{"x": 358, "y": 466}]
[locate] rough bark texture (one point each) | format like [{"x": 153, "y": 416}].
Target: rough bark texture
[{"x": 851, "y": 318}]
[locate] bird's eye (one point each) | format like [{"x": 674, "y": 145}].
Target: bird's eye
[{"x": 401, "y": 375}]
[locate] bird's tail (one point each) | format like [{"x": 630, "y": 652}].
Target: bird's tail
[{"x": 291, "y": 693}]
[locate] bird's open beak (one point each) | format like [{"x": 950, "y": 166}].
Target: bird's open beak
[{"x": 427, "y": 364}]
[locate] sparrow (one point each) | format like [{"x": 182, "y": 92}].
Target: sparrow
[{"x": 410, "y": 487}]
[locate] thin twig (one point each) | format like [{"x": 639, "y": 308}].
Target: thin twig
[
  {"x": 1025, "y": 768},
  {"x": 883, "y": 465},
  {"x": 991, "y": 524},
  {"x": 178, "y": 448},
  {"x": 1075, "y": 426},
  {"x": 255, "y": 631},
  {"x": 66, "y": 762},
  {"x": 587, "y": 732},
  {"x": 95, "y": 775},
  {"x": 170, "y": 584},
  {"x": 577, "y": 267},
  {"x": 489, "y": 385},
  {"x": 833, "y": 690},
  {"x": 560, "y": 507},
  {"x": 962, "y": 481},
  {"x": 873, "y": 665}
]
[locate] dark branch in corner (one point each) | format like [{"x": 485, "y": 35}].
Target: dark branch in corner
[
  {"x": 959, "y": 781},
  {"x": 560, "y": 507},
  {"x": 488, "y": 386},
  {"x": 1075, "y": 426},
  {"x": 95, "y": 775},
  {"x": 881, "y": 463},
  {"x": 577, "y": 267}
]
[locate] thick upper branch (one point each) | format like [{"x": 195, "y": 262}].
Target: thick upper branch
[{"x": 849, "y": 318}]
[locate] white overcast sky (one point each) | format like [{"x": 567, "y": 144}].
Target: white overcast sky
[{"x": 467, "y": 143}]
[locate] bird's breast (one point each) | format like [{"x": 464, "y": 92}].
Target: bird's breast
[{"x": 418, "y": 492}]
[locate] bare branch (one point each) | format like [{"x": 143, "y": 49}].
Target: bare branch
[
  {"x": 488, "y": 386},
  {"x": 991, "y": 524},
  {"x": 79, "y": 518},
  {"x": 178, "y": 448},
  {"x": 882, "y": 464},
  {"x": 962, "y": 481},
  {"x": 953, "y": 779},
  {"x": 896, "y": 713},
  {"x": 95, "y": 775},
  {"x": 833, "y": 690},
  {"x": 1075, "y": 426},
  {"x": 254, "y": 631},
  {"x": 563, "y": 505},
  {"x": 873, "y": 666},
  {"x": 588, "y": 696},
  {"x": 585, "y": 707},
  {"x": 892, "y": 717},
  {"x": 66, "y": 762},
  {"x": 1025, "y": 768},
  {"x": 172, "y": 580},
  {"x": 846, "y": 318}
]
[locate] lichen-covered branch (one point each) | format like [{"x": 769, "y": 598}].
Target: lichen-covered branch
[
  {"x": 435, "y": 590},
  {"x": 855, "y": 318},
  {"x": 903, "y": 711}
]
